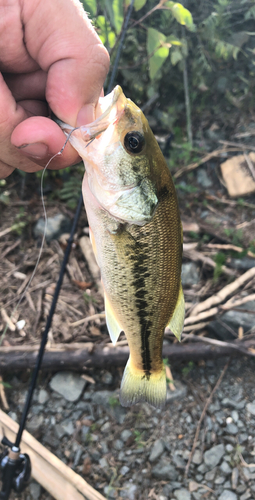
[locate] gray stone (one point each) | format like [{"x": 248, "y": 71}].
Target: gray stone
[
  {"x": 250, "y": 407},
  {"x": 107, "y": 378},
  {"x": 124, "y": 470},
  {"x": 103, "y": 397},
  {"x": 43, "y": 396},
  {"x": 70, "y": 385},
  {"x": 157, "y": 450},
  {"x": 225, "y": 468},
  {"x": 243, "y": 264},
  {"x": 232, "y": 429},
  {"x": 164, "y": 471},
  {"x": 179, "y": 393},
  {"x": 118, "y": 444},
  {"x": 234, "y": 319},
  {"x": 35, "y": 423},
  {"x": 228, "y": 495},
  {"x": 213, "y": 456},
  {"x": 103, "y": 463},
  {"x": 110, "y": 492},
  {"x": 182, "y": 494},
  {"x": 57, "y": 225},
  {"x": 129, "y": 491},
  {"x": 235, "y": 416},
  {"x": 35, "y": 490},
  {"x": 125, "y": 435},
  {"x": 190, "y": 274},
  {"x": 241, "y": 488},
  {"x": 203, "y": 178},
  {"x": 197, "y": 457},
  {"x": 209, "y": 476},
  {"x": 220, "y": 480},
  {"x": 246, "y": 495}
]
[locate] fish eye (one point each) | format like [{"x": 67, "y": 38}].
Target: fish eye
[{"x": 134, "y": 142}]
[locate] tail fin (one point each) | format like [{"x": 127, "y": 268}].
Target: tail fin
[{"x": 136, "y": 387}]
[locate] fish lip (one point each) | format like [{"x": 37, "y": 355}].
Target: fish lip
[{"x": 95, "y": 128}]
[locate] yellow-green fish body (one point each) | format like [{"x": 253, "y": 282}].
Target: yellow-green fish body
[{"x": 136, "y": 235}]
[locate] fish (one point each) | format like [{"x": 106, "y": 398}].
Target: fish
[{"x": 136, "y": 235}]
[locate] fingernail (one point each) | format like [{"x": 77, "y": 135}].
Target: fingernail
[
  {"x": 86, "y": 115},
  {"x": 36, "y": 150}
]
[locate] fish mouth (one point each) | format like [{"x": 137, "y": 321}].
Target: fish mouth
[{"x": 108, "y": 110}]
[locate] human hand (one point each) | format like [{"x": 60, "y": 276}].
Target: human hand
[{"x": 50, "y": 57}]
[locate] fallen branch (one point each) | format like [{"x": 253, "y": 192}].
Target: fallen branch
[
  {"x": 208, "y": 402},
  {"x": 213, "y": 154},
  {"x": 224, "y": 292},
  {"x": 80, "y": 357},
  {"x": 196, "y": 256},
  {"x": 56, "y": 477}
]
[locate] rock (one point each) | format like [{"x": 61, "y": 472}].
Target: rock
[
  {"x": 190, "y": 274},
  {"x": 213, "y": 456},
  {"x": 157, "y": 450},
  {"x": 103, "y": 397},
  {"x": 57, "y": 225},
  {"x": 228, "y": 495},
  {"x": 250, "y": 407},
  {"x": 242, "y": 264},
  {"x": 164, "y": 471},
  {"x": 209, "y": 476},
  {"x": 110, "y": 492},
  {"x": 118, "y": 444},
  {"x": 129, "y": 491},
  {"x": 246, "y": 495},
  {"x": 107, "y": 378},
  {"x": 225, "y": 468},
  {"x": 197, "y": 457},
  {"x": 234, "y": 319},
  {"x": 179, "y": 393},
  {"x": 203, "y": 178},
  {"x": 124, "y": 470},
  {"x": 182, "y": 494},
  {"x": 70, "y": 385},
  {"x": 35, "y": 490},
  {"x": 125, "y": 435},
  {"x": 35, "y": 423},
  {"x": 43, "y": 396},
  {"x": 232, "y": 429}
]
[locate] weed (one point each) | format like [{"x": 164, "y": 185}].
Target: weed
[
  {"x": 113, "y": 401},
  {"x": 187, "y": 369},
  {"x": 219, "y": 259}
]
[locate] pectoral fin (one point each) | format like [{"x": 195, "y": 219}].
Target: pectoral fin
[
  {"x": 113, "y": 326},
  {"x": 176, "y": 322}
]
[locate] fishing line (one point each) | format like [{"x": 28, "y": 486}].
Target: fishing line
[{"x": 43, "y": 237}]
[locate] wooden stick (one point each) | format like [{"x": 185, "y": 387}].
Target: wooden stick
[
  {"x": 206, "y": 158},
  {"x": 80, "y": 357},
  {"x": 208, "y": 402},
  {"x": 199, "y": 256},
  {"x": 224, "y": 292},
  {"x": 56, "y": 477},
  {"x": 201, "y": 316}
]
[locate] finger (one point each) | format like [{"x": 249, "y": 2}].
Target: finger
[
  {"x": 39, "y": 139},
  {"x": 77, "y": 65},
  {"x": 27, "y": 85}
]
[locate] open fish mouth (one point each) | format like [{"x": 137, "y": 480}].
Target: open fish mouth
[{"x": 108, "y": 110}]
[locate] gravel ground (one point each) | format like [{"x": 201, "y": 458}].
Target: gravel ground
[{"x": 141, "y": 453}]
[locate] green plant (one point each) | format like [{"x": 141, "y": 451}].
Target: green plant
[
  {"x": 113, "y": 401},
  {"x": 219, "y": 259},
  {"x": 70, "y": 192},
  {"x": 187, "y": 369}
]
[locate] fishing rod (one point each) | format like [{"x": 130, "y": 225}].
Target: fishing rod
[{"x": 15, "y": 467}]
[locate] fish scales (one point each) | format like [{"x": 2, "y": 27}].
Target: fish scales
[{"x": 136, "y": 235}]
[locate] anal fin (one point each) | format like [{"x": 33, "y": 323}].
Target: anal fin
[
  {"x": 176, "y": 322},
  {"x": 113, "y": 326}
]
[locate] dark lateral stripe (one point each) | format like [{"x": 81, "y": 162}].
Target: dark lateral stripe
[{"x": 140, "y": 272}]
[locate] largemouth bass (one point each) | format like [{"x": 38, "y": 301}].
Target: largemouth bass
[{"x": 136, "y": 235}]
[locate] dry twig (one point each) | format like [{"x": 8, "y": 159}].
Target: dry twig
[{"x": 208, "y": 402}]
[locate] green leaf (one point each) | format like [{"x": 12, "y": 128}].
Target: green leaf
[
  {"x": 173, "y": 40},
  {"x": 90, "y": 6},
  {"x": 154, "y": 40},
  {"x": 139, "y": 4},
  {"x": 183, "y": 16},
  {"x": 175, "y": 56},
  {"x": 157, "y": 60},
  {"x": 117, "y": 7}
]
